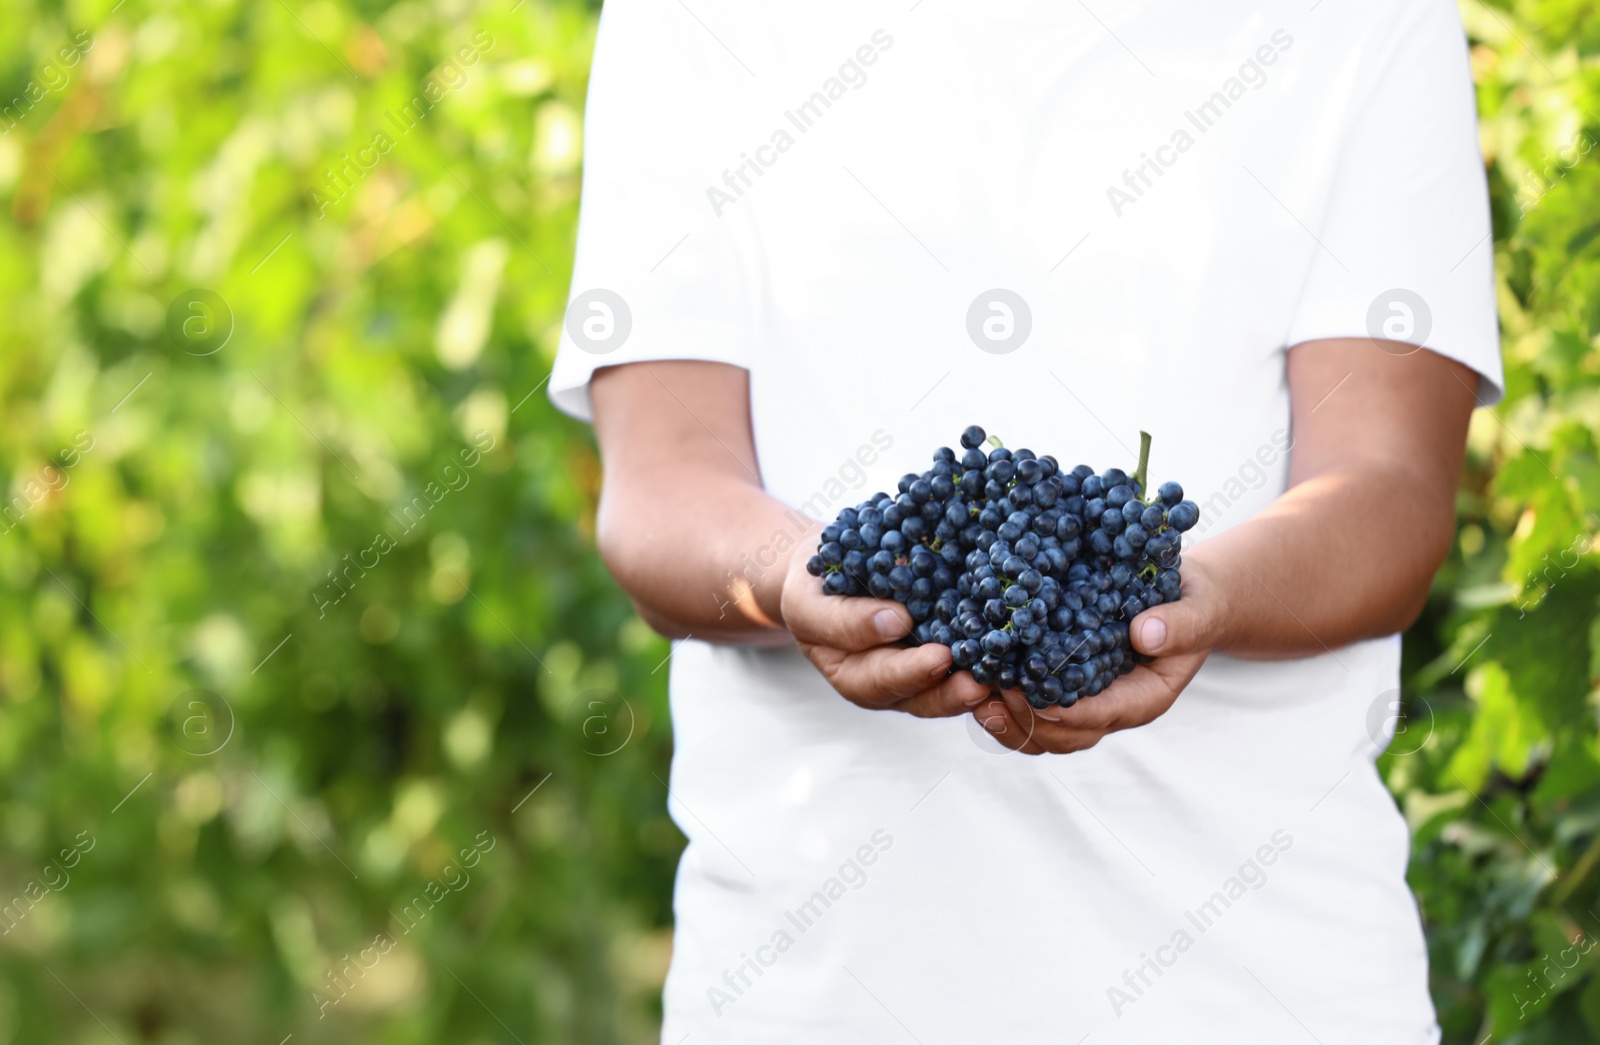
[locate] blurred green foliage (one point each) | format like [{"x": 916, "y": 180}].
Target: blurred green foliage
[
  {"x": 1503, "y": 790},
  {"x": 318, "y": 714},
  {"x": 178, "y": 508}
]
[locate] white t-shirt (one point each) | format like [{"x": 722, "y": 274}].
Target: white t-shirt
[{"x": 1065, "y": 223}]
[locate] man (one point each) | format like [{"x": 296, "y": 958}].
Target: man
[{"x": 817, "y": 243}]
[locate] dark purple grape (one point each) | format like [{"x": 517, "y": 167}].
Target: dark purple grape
[{"x": 1183, "y": 515}]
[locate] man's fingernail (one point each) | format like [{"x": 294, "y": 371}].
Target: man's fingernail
[
  {"x": 888, "y": 624},
  {"x": 1050, "y": 714},
  {"x": 995, "y": 724},
  {"x": 938, "y": 671},
  {"x": 1153, "y": 634}
]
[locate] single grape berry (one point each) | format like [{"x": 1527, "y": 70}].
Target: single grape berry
[{"x": 1183, "y": 515}]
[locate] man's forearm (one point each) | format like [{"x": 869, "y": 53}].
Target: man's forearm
[
  {"x": 1349, "y": 551},
  {"x": 684, "y": 523},
  {"x": 1340, "y": 557},
  {"x": 700, "y": 554}
]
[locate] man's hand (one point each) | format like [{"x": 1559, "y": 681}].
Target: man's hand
[
  {"x": 846, "y": 638},
  {"x": 1178, "y": 634}
]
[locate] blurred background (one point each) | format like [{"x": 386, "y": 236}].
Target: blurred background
[{"x": 320, "y": 719}]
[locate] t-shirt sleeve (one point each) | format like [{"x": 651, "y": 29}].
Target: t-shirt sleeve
[
  {"x": 660, "y": 270},
  {"x": 1405, "y": 251}
]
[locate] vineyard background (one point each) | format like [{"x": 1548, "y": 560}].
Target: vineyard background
[{"x": 229, "y": 759}]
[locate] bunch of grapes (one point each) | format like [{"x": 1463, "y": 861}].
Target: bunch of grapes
[{"x": 1030, "y": 574}]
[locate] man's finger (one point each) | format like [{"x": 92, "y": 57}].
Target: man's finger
[
  {"x": 996, "y": 718},
  {"x": 884, "y": 675},
  {"x": 1039, "y": 734},
  {"x": 1018, "y": 705},
  {"x": 1132, "y": 700},
  {"x": 1112, "y": 708},
  {"x": 954, "y": 695},
  {"x": 845, "y": 623},
  {"x": 1171, "y": 628}
]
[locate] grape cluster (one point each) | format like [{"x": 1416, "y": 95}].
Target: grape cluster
[{"x": 1030, "y": 574}]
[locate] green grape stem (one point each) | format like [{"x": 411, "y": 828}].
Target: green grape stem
[{"x": 1144, "y": 460}]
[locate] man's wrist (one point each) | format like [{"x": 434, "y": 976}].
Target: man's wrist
[
  {"x": 1217, "y": 599},
  {"x": 768, "y": 589}
]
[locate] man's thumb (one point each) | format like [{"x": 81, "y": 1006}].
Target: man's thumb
[{"x": 1173, "y": 627}]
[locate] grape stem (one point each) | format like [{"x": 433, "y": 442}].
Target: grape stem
[
  {"x": 995, "y": 442},
  {"x": 1144, "y": 460}
]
